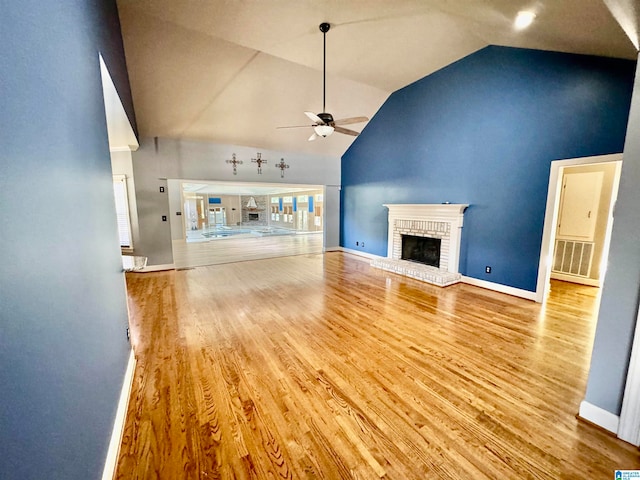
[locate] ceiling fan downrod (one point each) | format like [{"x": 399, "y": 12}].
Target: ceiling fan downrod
[
  {"x": 323, "y": 122},
  {"x": 324, "y": 28}
]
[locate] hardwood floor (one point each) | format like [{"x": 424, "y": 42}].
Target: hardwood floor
[
  {"x": 319, "y": 366},
  {"x": 230, "y": 250}
]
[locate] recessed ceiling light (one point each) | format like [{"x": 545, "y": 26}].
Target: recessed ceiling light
[{"x": 524, "y": 19}]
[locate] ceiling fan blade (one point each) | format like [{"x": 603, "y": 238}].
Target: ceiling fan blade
[
  {"x": 347, "y": 121},
  {"x": 312, "y": 137},
  {"x": 297, "y": 126},
  {"x": 315, "y": 118},
  {"x": 346, "y": 131}
]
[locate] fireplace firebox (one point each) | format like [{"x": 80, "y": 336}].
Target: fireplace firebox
[{"x": 421, "y": 249}]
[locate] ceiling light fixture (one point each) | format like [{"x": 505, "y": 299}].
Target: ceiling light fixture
[
  {"x": 323, "y": 130},
  {"x": 524, "y": 19}
]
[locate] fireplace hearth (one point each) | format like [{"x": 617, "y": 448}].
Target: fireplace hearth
[{"x": 424, "y": 222}]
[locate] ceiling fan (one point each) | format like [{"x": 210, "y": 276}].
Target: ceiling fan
[{"x": 323, "y": 123}]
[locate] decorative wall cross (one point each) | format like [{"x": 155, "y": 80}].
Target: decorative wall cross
[
  {"x": 235, "y": 163},
  {"x": 282, "y": 166},
  {"x": 259, "y": 161}
]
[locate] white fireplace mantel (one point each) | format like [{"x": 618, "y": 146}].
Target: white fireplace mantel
[
  {"x": 427, "y": 211},
  {"x": 449, "y": 217}
]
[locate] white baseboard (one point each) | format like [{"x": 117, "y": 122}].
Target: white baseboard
[
  {"x": 358, "y": 253},
  {"x": 496, "y": 287},
  {"x": 599, "y": 416},
  {"x": 157, "y": 268},
  {"x": 574, "y": 279},
  {"x": 110, "y": 464}
]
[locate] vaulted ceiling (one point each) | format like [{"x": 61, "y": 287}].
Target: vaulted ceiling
[{"x": 231, "y": 71}]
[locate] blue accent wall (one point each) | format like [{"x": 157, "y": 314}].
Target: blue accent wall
[
  {"x": 63, "y": 314},
  {"x": 484, "y": 131}
]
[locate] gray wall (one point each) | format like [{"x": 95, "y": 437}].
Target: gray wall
[
  {"x": 331, "y": 227},
  {"x": 63, "y": 349},
  {"x": 158, "y": 160},
  {"x": 619, "y": 304}
]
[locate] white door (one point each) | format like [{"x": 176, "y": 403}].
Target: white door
[
  {"x": 217, "y": 216},
  {"x": 579, "y": 205}
]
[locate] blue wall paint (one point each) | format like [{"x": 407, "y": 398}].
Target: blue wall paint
[
  {"x": 483, "y": 131},
  {"x": 63, "y": 348}
]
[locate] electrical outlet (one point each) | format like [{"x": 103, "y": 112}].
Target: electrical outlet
[
  {"x": 362, "y": 244},
  {"x": 357, "y": 244},
  {"x": 487, "y": 269},
  {"x": 164, "y": 218},
  {"x": 161, "y": 189}
]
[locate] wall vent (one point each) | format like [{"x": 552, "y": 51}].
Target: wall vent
[{"x": 573, "y": 258}]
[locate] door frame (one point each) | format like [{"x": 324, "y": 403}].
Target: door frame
[
  {"x": 551, "y": 215},
  {"x": 629, "y": 424}
]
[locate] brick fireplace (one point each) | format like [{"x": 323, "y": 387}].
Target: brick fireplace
[{"x": 440, "y": 221}]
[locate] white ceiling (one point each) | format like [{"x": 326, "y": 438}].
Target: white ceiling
[
  {"x": 119, "y": 130},
  {"x": 231, "y": 71}
]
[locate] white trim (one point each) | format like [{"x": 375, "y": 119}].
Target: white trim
[
  {"x": 599, "y": 416},
  {"x": 109, "y": 471},
  {"x": 551, "y": 216},
  {"x": 157, "y": 268},
  {"x": 130, "y": 148},
  {"x": 358, "y": 253},
  {"x": 122, "y": 201},
  {"x": 452, "y": 214},
  {"x": 629, "y": 430},
  {"x": 612, "y": 206},
  {"x": 497, "y": 287},
  {"x": 592, "y": 282}
]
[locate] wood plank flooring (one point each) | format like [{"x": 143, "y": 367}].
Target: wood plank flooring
[
  {"x": 319, "y": 366},
  {"x": 234, "y": 249}
]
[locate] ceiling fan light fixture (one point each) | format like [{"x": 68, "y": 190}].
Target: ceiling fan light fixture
[
  {"x": 323, "y": 130},
  {"x": 524, "y": 19},
  {"x": 323, "y": 123}
]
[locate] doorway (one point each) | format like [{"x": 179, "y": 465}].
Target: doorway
[
  {"x": 225, "y": 222},
  {"x": 577, "y": 227}
]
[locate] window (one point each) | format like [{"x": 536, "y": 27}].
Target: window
[{"x": 122, "y": 211}]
